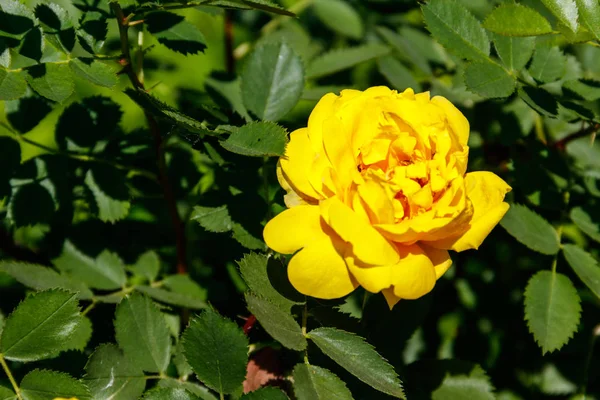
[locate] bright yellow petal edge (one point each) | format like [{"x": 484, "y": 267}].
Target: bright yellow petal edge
[{"x": 377, "y": 194}]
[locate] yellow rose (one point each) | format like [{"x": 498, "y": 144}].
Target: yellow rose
[{"x": 377, "y": 193}]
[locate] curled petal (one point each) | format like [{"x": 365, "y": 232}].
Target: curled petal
[
  {"x": 390, "y": 298},
  {"x": 457, "y": 121},
  {"x": 299, "y": 156},
  {"x": 486, "y": 192}
]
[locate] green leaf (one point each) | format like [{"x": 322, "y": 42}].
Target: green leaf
[
  {"x": 41, "y": 326},
  {"x": 548, "y": 64},
  {"x": 316, "y": 383},
  {"x": 272, "y": 81},
  {"x": 106, "y": 272},
  {"x": 315, "y": 93},
  {"x": 111, "y": 375},
  {"x": 456, "y": 28},
  {"x": 213, "y": 219},
  {"x": 589, "y": 13},
  {"x": 265, "y": 393},
  {"x": 565, "y": 11},
  {"x": 96, "y": 118},
  {"x": 514, "y": 52},
  {"x": 47, "y": 385},
  {"x": 15, "y": 17},
  {"x": 268, "y": 279},
  {"x": 109, "y": 187},
  {"x": 539, "y": 99},
  {"x": 246, "y": 239},
  {"x": 169, "y": 394},
  {"x": 174, "y": 32},
  {"x": 39, "y": 277},
  {"x": 32, "y": 204},
  {"x": 257, "y": 139},
  {"x": 581, "y": 217},
  {"x": 142, "y": 333},
  {"x": 200, "y": 391},
  {"x": 530, "y": 229},
  {"x": 92, "y": 31},
  {"x": 82, "y": 335},
  {"x": 513, "y": 19},
  {"x": 27, "y": 112},
  {"x": 176, "y": 299},
  {"x": 94, "y": 71},
  {"x": 278, "y": 323},
  {"x": 359, "y": 358},
  {"x": 12, "y": 84},
  {"x": 184, "y": 285},
  {"x": 231, "y": 93},
  {"x": 585, "y": 89},
  {"x": 53, "y": 16},
  {"x": 341, "y": 59},
  {"x": 166, "y": 112},
  {"x": 217, "y": 351},
  {"x": 7, "y": 394},
  {"x": 463, "y": 387},
  {"x": 147, "y": 265},
  {"x": 585, "y": 266},
  {"x": 552, "y": 309},
  {"x": 263, "y": 5},
  {"x": 405, "y": 47},
  {"x": 397, "y": 74},
  {"x": 53, "y": 81},
  {"x": 347, "y": 21},
  {"x": 489, "y": 80},
  {"x": 32, "y": 45}
]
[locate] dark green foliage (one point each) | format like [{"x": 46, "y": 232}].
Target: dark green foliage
[{"x": 139, "y": 146}]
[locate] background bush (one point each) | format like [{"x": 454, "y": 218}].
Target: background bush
[{"x": 138, "y": 143}]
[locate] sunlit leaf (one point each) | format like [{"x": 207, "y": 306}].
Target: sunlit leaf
[{"x": 552, "y": 309}]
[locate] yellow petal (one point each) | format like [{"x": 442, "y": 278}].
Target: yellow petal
[
  {"x": 457, "y": 121},
  {"x": 338, "y": 147},
  {"x": 298, "y": 158},
  {"x": 293, "y": 229},
  {"x": 368, "y": 245},
  {"x": 414, "y": 276},
  {"x": 440, "y": 258},
  {"x": 390, "y": 297},
  {"x": 322, "y": 111},
  {"x": 486, "y": 192},
  {"x": 319, "y": 271},
  {"x": 291, "y": 198},
  {"x": 378, "y": 202}
]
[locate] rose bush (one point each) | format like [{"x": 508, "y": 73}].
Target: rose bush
[{"x": 377, "y": 193}]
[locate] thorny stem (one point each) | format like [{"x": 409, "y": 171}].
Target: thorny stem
[
  {"x": 10, "y": 377},
  {"x": 590, "y": 130},
  {"x": 178, "y": 226}
]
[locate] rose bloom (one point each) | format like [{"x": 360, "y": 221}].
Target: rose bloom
[{"x": 377, "y": 193}]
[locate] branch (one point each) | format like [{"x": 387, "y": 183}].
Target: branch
[
  {"x": 178, "y": 226},
  {"x": 590, "y": 130}
]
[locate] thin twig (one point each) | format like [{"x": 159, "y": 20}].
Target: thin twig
[
  {"x": 11, "y": 378},
  {"x": 590, "y": 130},
  {"x": 178, "y": 225}
]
